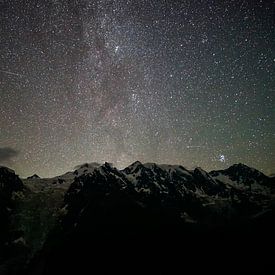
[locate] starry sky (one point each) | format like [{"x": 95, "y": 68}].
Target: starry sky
[{"x": 179, "y": 82}]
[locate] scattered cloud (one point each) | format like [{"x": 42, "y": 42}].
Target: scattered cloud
[{"x": 7, "y": 153}]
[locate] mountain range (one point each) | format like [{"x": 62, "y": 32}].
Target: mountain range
[{"x": 155, "y": 218}]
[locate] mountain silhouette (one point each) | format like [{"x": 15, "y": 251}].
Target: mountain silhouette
[{"x": 153, "y": 218}]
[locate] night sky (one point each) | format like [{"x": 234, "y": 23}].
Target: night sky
[{"x": 179, "y": 82}]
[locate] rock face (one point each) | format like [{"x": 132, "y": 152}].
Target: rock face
[
  {"x": 9, "y": 185},
  {"x": 148, "y": 212},
  {"x": 174, "y": 189},
  {"x": 163, "y": 216}
]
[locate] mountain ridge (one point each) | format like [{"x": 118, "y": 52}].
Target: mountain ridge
[{"x": 94, "y": 205}]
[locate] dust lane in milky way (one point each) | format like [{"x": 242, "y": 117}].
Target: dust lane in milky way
[{"x": 182, "y": 82}]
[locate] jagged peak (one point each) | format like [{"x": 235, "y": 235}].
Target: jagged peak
[
  {"x": 86, "y": 168},
  {"x": 136, "y": 163},
  {"x": 108, "y": 165},
  {"x": 34, "y": 176},
  {"x": 241, "y": 165},
  {"x": 87, "y": 165},
  {"x": 236, "y": 167},
  {"x": 133, "y": 167}
]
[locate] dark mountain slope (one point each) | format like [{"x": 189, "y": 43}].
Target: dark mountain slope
[
  {"x": 144, "y": 219},
  {"x": 153, "y": 219},
  {"x": 10, "y": 246}
]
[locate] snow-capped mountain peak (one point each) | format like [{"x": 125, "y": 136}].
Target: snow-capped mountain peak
[
  {"x": 133, "y": 168},
  {"x": 86, "y": 168}
]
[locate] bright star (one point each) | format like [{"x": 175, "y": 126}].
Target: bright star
[{"x": 222, "y": 158}]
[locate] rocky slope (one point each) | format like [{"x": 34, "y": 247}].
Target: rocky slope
[{"x": 145, "y": 209}]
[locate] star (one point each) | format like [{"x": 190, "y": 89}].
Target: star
[
  {"x": 120, "y": 81},
  {"x": 221, "y": 158}
]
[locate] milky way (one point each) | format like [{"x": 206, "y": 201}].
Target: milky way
[{"x": 182, "y": 82}]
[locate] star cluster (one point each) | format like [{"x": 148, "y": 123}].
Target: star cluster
[{"x": 187, "y": 82}]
